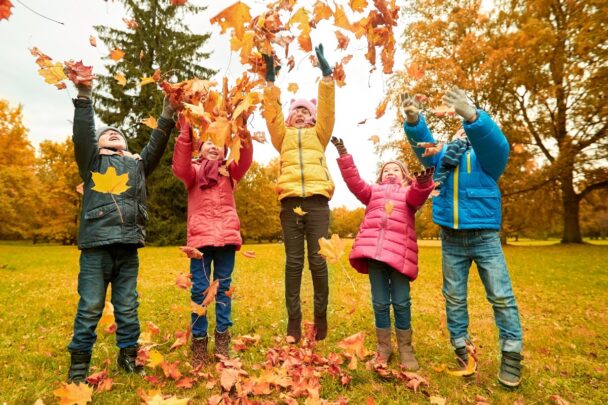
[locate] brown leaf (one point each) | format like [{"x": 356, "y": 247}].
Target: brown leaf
[{"x": 183, "y": 281}]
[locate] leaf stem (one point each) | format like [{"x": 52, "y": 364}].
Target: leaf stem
[
  {"x": 35, "y": 12},
  {"x": 122, "y": 221}
]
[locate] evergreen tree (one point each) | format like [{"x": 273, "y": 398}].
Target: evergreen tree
[{"x": 161, "y": 41}]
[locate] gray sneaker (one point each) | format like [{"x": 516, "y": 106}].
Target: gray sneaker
[{"x": 510, "y": 369}]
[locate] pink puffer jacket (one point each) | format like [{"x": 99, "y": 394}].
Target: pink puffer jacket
[
  {"x": 388, "y": 231},
  {"x": 212, "y": 217}
]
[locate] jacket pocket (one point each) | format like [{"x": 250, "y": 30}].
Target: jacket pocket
[
  {"x": 100, "y": 212},
  {"x": 482, "y": 202}
]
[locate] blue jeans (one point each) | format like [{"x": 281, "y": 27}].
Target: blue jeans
[
  {"x": 200, "y": 269},
  {"x": 118, "y": 265},
  {"x": 390, "y": 287},
  {"x": 459, "y": 249}
]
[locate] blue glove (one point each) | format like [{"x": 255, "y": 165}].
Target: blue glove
[{"x": 323, "y": 65}]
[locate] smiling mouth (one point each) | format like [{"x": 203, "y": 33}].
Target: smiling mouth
[{"x": 114, "y": 138}]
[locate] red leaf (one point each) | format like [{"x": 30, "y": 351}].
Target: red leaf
[
  {"x": 192, "y": 253},
  {"x": 183, "y": 281},
  {"x": 171, "y": 370},
  {"x": 78, "y": 73},
  {"x": 5, "y": 9},
  {"x": 185, "y": 382},
  {"x": 181, "y": 338}
]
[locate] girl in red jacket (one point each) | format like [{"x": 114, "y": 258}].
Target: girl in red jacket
[
  {"x": 213, "y": 228},
  {"x": 385, "y": 246}
]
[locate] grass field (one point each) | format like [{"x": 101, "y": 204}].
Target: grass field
[{"x": 562, "y": 292}]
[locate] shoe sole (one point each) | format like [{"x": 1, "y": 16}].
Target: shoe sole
[{"x": 509, "y": 384}]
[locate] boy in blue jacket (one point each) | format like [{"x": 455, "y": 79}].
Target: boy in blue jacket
[{"x": 468, "y": 210}]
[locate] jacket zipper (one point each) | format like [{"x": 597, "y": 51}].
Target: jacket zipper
[
  {"x": 468, "y": 162},
  {"x": 383, "y": 223},
  {"x": 301, "y": 160},
  {"x": 456, "y": 172}
]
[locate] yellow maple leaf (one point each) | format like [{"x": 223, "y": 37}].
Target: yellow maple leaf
[
  {"x": 341, "y": 20},
  {"x": 107, "y": 320},
  {"x": 146, "y": 80},
  {"x": 53, "y": 73},
  {"x": 293, "y": 88},
  {"x": 233, "y": 17},
  {"x": 388, "y": 207},
  {"x": 120, "y": 79},
  {"x": 245, "y": 45},
  {"x": 332, "y": 249},
  {"x": 358, "y": 5},
  {"x": 298, "y": 210},
  {"x": 150, "y": 122},
  {"x": 116, "y": 55},
  {"x": 302, "y": 18},
  {"x": 109, "y": 182},
  {"x": 321, "y": 11},
  {"x": 78, "y": 394},
  {"x": 154, "y": 358},
  {"x": 375, "y": 139}
]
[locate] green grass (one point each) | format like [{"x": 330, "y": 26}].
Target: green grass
[{"x": 562, "y": 292}]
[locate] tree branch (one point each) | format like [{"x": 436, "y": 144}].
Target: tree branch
[
  {"x": 531, "y": 188},
  {"x": 596, "y": 186},
  {"x": 533, "y": 131}
]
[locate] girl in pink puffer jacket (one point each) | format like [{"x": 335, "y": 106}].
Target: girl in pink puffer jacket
[
  {"x": 385, "y": 246},
  {"x": 213, "y": 228}
]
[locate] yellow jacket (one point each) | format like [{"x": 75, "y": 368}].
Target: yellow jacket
[{"x": 303, "y": 168}]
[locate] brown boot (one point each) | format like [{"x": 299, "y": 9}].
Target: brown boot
[
  {"x": 199, "y": 350},
  {"x": 320, "y": 327},
  {"x": 406, "y": 351},
  {"x": 384, "y": 349},
  {"x": 294, "y": 329},
  {"x": 222, "y": 341}
]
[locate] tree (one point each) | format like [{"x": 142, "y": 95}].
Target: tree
[
  {"x": 19, "y": 200},
  {"x": 159, "y": 42},
  {"x": 346, "y": 222},
  {"x": 257, "y": 205},
  {"x": 57, "y": 172},
  {"x": 539, "y": 67}
]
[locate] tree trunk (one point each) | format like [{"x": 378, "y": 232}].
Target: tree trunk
[{"x": 570, "y": 201}]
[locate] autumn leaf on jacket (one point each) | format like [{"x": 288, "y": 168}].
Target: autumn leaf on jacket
[
  {"x": 69, "y": 394},
  {"x": 78, "y": 73},
  {"x": 109, "y": 182},
  {"x": 332, "y": 249},
  {"x": 233, "y": 17},
  {"x": 5, "y": 9}
]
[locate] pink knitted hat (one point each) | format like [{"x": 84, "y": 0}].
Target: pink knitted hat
[
  {"x": 406, "y": 173},
  {"x": 310, "y": 105}
]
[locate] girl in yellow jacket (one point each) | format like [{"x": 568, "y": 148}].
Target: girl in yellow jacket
[{"x": 304, "y": 187}]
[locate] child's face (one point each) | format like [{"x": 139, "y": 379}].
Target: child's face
[
  {"x": 301, "y": 117},
  {"x": 211, "y": 152},
  {"x": 112, "y": 140},
  {"x": 392, "y": 171}
]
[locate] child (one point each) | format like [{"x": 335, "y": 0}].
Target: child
[
  {"x": 386, "y": 247},
  {"x": 213, "y": 228},
  {"x": 111, "y": 231},
  {"x": 304, "y": 183}
]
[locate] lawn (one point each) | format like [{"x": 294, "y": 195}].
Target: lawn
[{"x": 562, "y": 292}]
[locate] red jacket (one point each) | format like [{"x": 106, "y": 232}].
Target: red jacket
[
  {"x": 388, "y": 231},
  {"x": 212, "y": 217}
]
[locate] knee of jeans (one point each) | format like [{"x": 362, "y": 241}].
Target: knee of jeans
[
  {"x": 294, "y": 262},
  {"x": 316, "y": 261},
  {"x": 380, "y": 307},
  {"x": 451, "y": 297},
  {"x": 402, "y": 306},
  {"x": 507, "y": 301}
]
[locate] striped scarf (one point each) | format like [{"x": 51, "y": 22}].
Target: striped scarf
[{"x": 451, "y": 159}]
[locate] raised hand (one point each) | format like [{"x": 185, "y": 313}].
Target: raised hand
[
  {"x": 457, "y": 98},
  {"x": 323, "y": 64},
  {"x": 410, "y": 108},
  {"x": 430, "y": 148},
  {"x": 84, "y": 91},
  {"x": 339, "y": 144},
  {"x": 270, "y": 69},
  {"x": 168, "y": 109},
  {"x": 424, "y": 176}
]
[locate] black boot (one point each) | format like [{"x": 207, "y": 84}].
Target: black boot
[
  {"x": 510, "y": 369},
  {"x": 79, "y": 367},
  {"x": 126, "y": 360},
  {"x": 294, "y": 329},
  {"x": 320, "y": 327}
]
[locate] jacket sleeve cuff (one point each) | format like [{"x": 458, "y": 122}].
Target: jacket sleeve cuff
[{"x": 82, "y": 102}]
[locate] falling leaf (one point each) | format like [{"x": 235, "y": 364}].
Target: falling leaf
[
  {"x": 343, "y": 41},
  {"x": 197, "y": 309},
  {"x": 92, "y": 40},
  {"x": 107, "y": 320},
  {"x": 340, "y": 19},
  {"x": 78, "y": 394},
  {"x": 321, "y": 11},
  {"x": 292, "y": 88},
  {"x": 230, "y": 291},
  {"x": 211, "y": 292},
  {"x": 443, "y": 110},
  {"x": 131, "y": 23},
  {"x": 414, "y": 71},
  {"x": 332, "y": 249},
  {"x": 382, "y": 108},
  {"x": 78, "y": 73},
  {"x": 362, "y": 122},
  {"x": 250, "y": 254},
  {"x": 141, "y": 55},
  {"x": 388, "y": 207},
  {"x": 53, "y": 73},
  {"x": 109, "y": 182},
  {"x": 354, "y": 345},
  {"x": 146, "y": 80},
  {"x": 183, "y": 281},
  {"x": 259, "y": 136},
  {"x": 5, "y": 9},
  {"x": 233, "y": 17},
  {"x": 178, "y": 2},
  {"x": 339, "y": 75},
  {"x": 192, "y": 253},
  {"x": 375, "y": 139},
  {"x": 150, "y": 122},
  {"x": 298, "y": 210},
  {"x": 358, "y": 5},
  {"x": 116, "y": 55},
  {"x": 120, "y": 79}
]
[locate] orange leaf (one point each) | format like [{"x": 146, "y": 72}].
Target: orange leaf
[
  {"x": 233, "y": 17},
  {"x": 343, "y": 40},
  {"x": 185, "y": 382},
  {"x": 178, "y": 2},
  {"x": 120, "y": 79},
  {"x": 228, "y": 378},
  {"x": 78, "y": 394},
  {"x": 5, "y": 9},
  {"x": 298, "y": 210},
  {"x": 332, "y": 249},
  {"x": 358, "y": 5},
  {"x": 78, "y": 73},
  {"x": 183, "y": 281},
  {"x": 150, "y": 122},
  {"x": 340, "y": 19},
  {"x": 116, "y": 55},
  {"x": 375, "y": 139},
  {"x": 181, "y": 338},
  {"x": 354, "y": 345},
  {"x": 305, "y": 42},
  {"x": 250, "y": 254},
  {"x": 443, "y": 110},
  {"x": 92, "y": 40},
  {"x": 192, "y": 253},
  {"x": 170, "y": 369},
  {"x": 302, "y": 19},
  {"x": 131, "y": 23},
  {"x": 211, "y": 292},
  {"x": 230, "y": 291},
  {"x": 381, "y": 108},
  {"x": 321, "y": 11},
  {"x": 197, "y": 309},
  {"x": 292, "y": 88},
  {"x": 339, "y": 75},
  {"x": 414, "y": 71}
]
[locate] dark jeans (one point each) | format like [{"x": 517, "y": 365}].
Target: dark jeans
[
  {"x": 116, "y": 264},
  {"x": 223, "y": 265},
  {"x": 389, "y": 287},
  {"x": 297, "y": 229}
]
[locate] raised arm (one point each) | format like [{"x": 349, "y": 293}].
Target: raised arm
[
  {"x": 489, "y": 143},
  {"x": 238, "y": 170},
  {"x": 326, "y": 115},
  {"x": 154, "y": 149},
  {"x": 273, "y": 114},
  {"x": 83, "y": 136},
  {"x": 417, "y": 131},
  {"x": 350, "y": 174},
  {"x": 182, "y": 155},
  {"x": 421, "y": 188}
]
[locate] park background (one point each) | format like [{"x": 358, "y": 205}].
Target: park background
[{"x": 539, "y": 67}]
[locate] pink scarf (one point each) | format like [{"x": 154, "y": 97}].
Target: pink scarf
[{"x": 209, "y": 173}]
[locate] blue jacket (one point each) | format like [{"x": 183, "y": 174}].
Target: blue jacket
[{"x": 470, "y": 197}]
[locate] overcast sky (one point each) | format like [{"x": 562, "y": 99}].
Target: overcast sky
[{"x": 48, "y": 112}]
